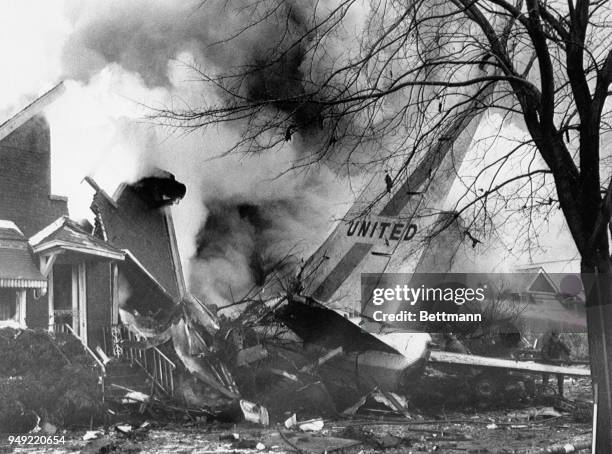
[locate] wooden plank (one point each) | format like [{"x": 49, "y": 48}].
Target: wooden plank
[{"x": 526, "y": 366}]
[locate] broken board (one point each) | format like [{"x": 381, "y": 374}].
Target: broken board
[{"x": 510, "y": 364}]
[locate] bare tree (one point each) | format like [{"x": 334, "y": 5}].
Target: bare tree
[{"x": 384, "y": 97}]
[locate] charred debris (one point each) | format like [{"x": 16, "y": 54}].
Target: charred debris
[
  {"x": 172, "y": 354},
  {"x": 276, "y": 356},
  {"x": 100, "y": 327},
  {"x": 160, "y": 352}
]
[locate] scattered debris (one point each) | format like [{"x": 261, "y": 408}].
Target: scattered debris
[
  {"x": 136, "y": 396},
  {"x": 123, "y": 428},
  {"x": 92, "y": 435},
  {"x": 48, "y": 428},
  {"x": 100, "y": 445},
  {"x": 312, "y": 425},
  {"x": 534, "y": 413},
  {"x": 379, "y": 402},
  {"x": 566, "y": 448},
  {"x": 254, "y": 413},
  {"x": 311, "y": 443},
  {"x": 388, "y": 440},
  {"x": 291, "y": 421}
]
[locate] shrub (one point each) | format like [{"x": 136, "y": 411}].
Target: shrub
[{"x": 46, "y": 376}]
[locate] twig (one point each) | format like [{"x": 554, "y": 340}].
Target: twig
[{"x": 297, "y": 449}]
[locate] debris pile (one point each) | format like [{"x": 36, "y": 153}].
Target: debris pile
[
  {"x": 291, "y": 356},
  {"x": 278, "y": 355},
  {"x": 290, "y": 360}
]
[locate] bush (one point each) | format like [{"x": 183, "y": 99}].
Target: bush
[
  {"x": 46, "y": 376},
  {"x": 578, "y": 344}
]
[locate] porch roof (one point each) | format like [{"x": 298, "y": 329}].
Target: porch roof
[
  {"x": 66, "y": 235},
  {"x": 17, "y": 267}
]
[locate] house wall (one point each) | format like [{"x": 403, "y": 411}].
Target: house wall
[
  {"x": 25, "y": 178},
  {"x": 99, "y": 301},
  {"x": 135, "y": 226}
]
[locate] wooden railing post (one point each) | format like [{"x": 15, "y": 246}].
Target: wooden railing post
[
  {"x": 87, "y": 349},
  {"x": 152, "y": 361}
]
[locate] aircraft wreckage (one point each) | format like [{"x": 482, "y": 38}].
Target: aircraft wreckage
[
  {"x": 290, "y": 352},
  {"x": 118, "y": 287},
  {"x": 294, "y": 351}
]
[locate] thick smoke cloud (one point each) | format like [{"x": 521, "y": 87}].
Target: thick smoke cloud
[
  {"x": 249, "y": 219},
  {"x": 238, "y": 240},
  {"x": 143, "y": 36},
  {"x": 241, "y": 215}
]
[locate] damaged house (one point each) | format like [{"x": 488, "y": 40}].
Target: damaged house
[
  {"x": 62, "y": 276},
  {"x": 117, "y": 285}
]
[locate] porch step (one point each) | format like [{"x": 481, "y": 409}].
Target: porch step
[{"x": 125, "y": 375}]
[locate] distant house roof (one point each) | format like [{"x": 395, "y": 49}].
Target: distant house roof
[
  {"x": 65, "y": 234},
  {"x": 17, "y": 266},
  {"x": 130, "y": 223},
  {"x": 533, "y": 280}
]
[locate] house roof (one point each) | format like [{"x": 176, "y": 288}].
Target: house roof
[
  {"x": 9, "y": 231},
  {"x": 148, "y": 233},
  {"x": 30, "y": 110},
  {"x": 528, "y": 280},
  {"x": 564, "y": 275},
  {"x": 17, "y": 267},
  {"x": 65, "y": 234}
]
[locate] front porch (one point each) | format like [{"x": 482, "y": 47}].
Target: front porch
[{"x": 81, "y": 273}]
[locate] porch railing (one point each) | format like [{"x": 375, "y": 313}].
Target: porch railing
[
  {"x": 137, "y": 350},
  {"x": 62, "y": 318},
  {"x": 66, "y": 328},
  {"x": 61, "y": 328}
]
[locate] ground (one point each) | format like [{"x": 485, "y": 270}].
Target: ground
[
  {"x": 469, "y": 434},
  {"x": 499, "y": 427}
]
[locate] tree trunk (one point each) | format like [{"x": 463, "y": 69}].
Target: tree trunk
[{"x": 598, "y": 290}]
